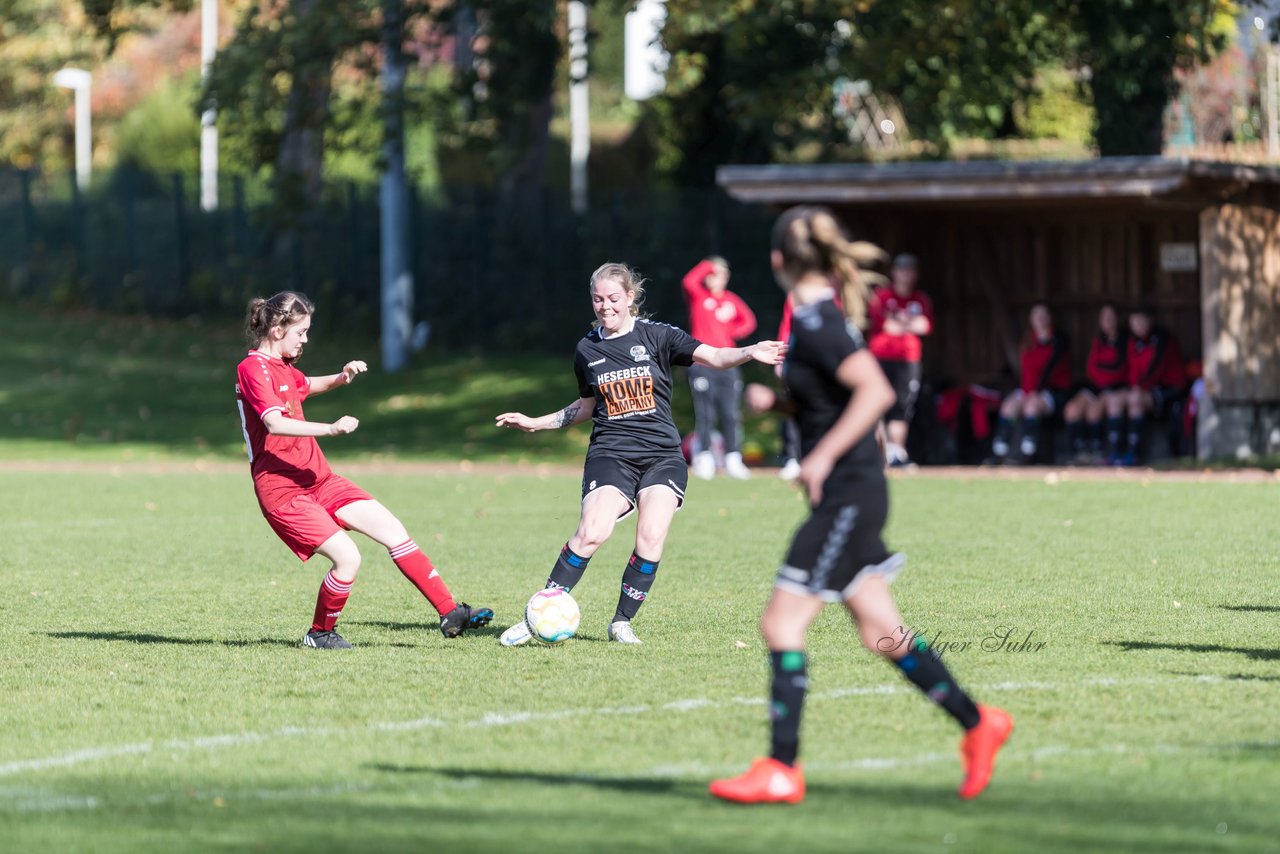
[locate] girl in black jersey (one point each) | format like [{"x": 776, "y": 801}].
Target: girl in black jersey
[
  {"x": 623, "y": 367},
  {"x": 837, "y": 555}
]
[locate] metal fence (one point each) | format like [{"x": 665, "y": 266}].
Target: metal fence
[{"x": 486, "y": 275}]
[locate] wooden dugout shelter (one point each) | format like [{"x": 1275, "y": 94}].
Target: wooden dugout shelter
[{"x": 1198, "y": 241}]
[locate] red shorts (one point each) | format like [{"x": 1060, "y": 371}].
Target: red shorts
[{"x": 305, "y": 521}]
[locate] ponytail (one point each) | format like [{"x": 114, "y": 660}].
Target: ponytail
[{"x": 811, "y": 240}]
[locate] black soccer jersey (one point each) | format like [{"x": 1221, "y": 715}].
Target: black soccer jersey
[
  {"x": 630, "y": 379},
  {"x": 822, "y": 338}
]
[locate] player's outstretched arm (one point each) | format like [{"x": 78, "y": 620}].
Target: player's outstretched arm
[
  {"x": 574, "y": 413},
  {"x": 319, "y": 385},
  {"x": 766, "y": 352},
  {"x": 279, "y": 424}
]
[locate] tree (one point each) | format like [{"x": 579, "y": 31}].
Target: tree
[
  {"x": 959, "y": 68},
  {"x": 506, "y": 89},
  {"x": 751, "y": 80},
  {"x": 39, "y": 37},
  {"x": 1132, "y": 48},
  {"x": 272, "y": 84}
]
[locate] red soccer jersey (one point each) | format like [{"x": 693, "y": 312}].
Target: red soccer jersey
[
  {"x": 905, "y": 347},
  {"x": 1108, "y": 365},
  {"x": 717, "y": 320},
  {"x": 784, "y": 325},
  {"x": 1156, "y": 361},
  {"x": 1046, "y": 365},
  {"x": 282, "y": 466}
]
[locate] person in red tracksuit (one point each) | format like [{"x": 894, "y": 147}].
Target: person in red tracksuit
[
  {"x": 1157, "y": 378},
  {"x": 718, "y": 318},
  {"x": 1046, "y": 380},
  {"x": 900, "y": 317},
  {"x": 1105, "y": 391}
]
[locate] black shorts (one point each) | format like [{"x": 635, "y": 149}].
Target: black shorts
[
  {"x": 839, "y": 546},
  {"x": 905, "y": 379},
  {"x": 1053, "y": 398},
  {"x": 1163, "y": 398},
  {"x": 631, "y": 476}
]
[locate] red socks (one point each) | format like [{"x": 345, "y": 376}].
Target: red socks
[
  {"x": 417, "y": 567},
  {"x": 330, "y": 602}
]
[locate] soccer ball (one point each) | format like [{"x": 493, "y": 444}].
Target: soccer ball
[{"x": 552, "y": 615}]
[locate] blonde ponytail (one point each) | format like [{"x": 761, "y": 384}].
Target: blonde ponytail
[{"x": 811, "y": 239}]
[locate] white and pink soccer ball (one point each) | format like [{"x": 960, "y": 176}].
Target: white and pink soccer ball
[{"x": 552, "y": 615}]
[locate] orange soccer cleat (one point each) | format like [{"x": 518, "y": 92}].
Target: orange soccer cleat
[
  {"x": 979, "y": 747},
  {"x": 767, "y": 781}
]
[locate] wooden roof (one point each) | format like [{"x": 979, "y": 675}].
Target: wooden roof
[{"x": 988, "y": 182}]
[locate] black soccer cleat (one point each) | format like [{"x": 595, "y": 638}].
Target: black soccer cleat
[
  {"x": 464, "y": 617},
  {"x": 325, "y": 640}
]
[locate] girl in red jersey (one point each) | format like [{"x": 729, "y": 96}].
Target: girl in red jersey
[
  {"x": 1157, "y": 378},
  {"x": 838, "y": 555},
  {"x": 719, "y": 318},
  {"x": 308, "y": 506},
  {"x": 1046, "y": 379},
  {"x": 1104, "y": 392}
]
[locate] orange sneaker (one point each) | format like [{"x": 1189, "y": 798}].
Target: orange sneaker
[
  {"x": 767, "y": 781},
  {"x": 979, "y": 747}
]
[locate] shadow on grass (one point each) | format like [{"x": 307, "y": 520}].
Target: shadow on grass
[
  {"x": 1256, "y": 653},
  {"x": 1266, "y": 609},
  {"x": 684, "y": 787},
  {"x": 490, "y": 630},
  {"x": 394, "y": 626},
  {"x": 148, "y": 638},
  {"x": 1231, "y": 677},
  {"x": 648, "y": 785}
]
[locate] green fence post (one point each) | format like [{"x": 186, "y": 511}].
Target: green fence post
[
  {"x": 28, "y": 226},
  {"x": 128, "y": 189},
  {"x": 77, "y": 227},
  {"x": 180, "y": 233},
  {"x": 240, "y": 218},
  {"x": 353, "y": 237}
]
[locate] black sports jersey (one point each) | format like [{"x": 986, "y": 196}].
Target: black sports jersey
[
  {"x": 821, "y": 339},
  {"x": 630, "y": 378}
]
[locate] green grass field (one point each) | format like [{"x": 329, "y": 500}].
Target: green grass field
[{"x": 156, "y": 699}]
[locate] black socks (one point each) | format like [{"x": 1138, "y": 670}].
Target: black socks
[
  {"x": 568, "y": 569},
  {"x": 636, "y": 581},
  {"x": 786, "y": 702},
  {"x": 927, "y": 672}
]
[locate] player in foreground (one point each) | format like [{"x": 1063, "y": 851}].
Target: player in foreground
[
  {"x": 837, "y": 555},
  {"x": 308, "y": 506},
  {"x": 633, "y": 462}
]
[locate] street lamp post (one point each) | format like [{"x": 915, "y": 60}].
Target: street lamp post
[
  {"x": 208, "y": 126},
  {"x": 79, "y": 80},
  {"x": 579, "y": 106}
]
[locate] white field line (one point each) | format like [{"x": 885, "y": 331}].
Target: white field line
[
  {"x": 501, "y": 719},
  {"x": 43, "y": 800}
]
